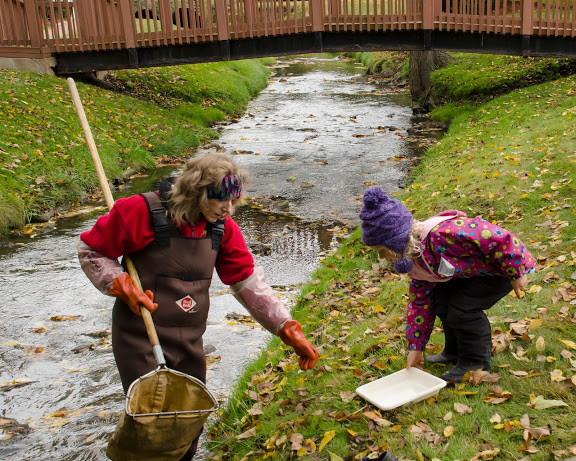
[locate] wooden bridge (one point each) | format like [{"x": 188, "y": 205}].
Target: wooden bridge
[{"x": 93, "y": 35}]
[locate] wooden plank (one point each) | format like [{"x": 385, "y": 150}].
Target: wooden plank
[
  {"x": 28, "y": 52},
  {"x": 72, "y": 26},
  {"x": 222, "y": 19}
]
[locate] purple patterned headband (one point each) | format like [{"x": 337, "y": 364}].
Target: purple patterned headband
[{"x": 230, "y": 187}]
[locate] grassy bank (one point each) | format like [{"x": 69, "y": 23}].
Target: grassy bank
[
  {"x": 45, "y": 163},
  {"x": 513, "y": 161}
]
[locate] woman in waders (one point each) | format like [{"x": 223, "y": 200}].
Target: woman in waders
[{"x": 176, "y": 237}]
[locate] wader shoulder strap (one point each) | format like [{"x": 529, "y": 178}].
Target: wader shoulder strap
[
  {"x": 217, "y": 232},
  {"x": 159, "y": 218}
]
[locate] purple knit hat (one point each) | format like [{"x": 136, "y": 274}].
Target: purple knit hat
[{"x": 386, "y": 221}]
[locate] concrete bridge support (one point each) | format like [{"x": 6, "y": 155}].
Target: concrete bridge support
[{"x": 39, "y": 65}]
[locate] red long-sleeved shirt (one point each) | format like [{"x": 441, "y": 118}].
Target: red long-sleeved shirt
[{"x": 128, "y": 228}]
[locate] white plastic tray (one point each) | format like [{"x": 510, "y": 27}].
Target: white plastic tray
[{"x": 404, "y": 386}]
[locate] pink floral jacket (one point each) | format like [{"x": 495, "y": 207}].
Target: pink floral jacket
[{"x": 460, "y": 247}]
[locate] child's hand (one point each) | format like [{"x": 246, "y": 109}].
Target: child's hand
[
  {"x": 519, "y": 285},
  {"x": 415, "y": 359}
]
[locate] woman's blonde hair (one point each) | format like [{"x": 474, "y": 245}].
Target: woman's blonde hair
[{"x": 188, "y": 197}]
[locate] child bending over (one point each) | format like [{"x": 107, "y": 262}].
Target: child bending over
[{"x": 459, "y": 267}]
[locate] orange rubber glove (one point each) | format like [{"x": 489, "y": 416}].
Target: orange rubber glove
[
  {"x": 123, "y": 288},
  {"x": 291, "y": 334}
]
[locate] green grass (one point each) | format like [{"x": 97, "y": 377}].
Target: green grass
[
  {"x": 481, "y": 76},
  {"x": 45, "y": 162},
  {"x": 383, "y": 61},
  {"x": 511, "y": 160}
]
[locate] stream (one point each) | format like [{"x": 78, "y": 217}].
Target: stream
[{"x": 313, "y": 140}]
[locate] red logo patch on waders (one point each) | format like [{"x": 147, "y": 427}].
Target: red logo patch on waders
[{"x": 187, "y": 304}]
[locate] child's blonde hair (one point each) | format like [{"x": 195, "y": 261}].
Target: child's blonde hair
[{"x": 413, "y": 247}]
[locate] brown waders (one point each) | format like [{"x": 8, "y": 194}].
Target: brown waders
[{"x": 179, "y": 273}]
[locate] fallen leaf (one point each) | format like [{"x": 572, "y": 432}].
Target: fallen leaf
[
  {"x": 486, "y": 454},
  {"x": 62, "y": 318},
  {"x": 534, "y": 289},
  {"x": 326, "y": 439},
  {"x": 568, "y": 343},
  {"x": 347, "y": 396},
  {"x": 461, "y": 408},
  {"x": 540, "y": 403},
  {"x": 247, "y": 434},
  {"x": 296, "y": 439}
]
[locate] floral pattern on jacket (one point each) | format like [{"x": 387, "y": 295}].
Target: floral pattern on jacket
[{"x": 475, "y": 247}]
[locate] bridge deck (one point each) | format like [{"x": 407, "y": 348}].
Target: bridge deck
[{"x": 138, "y": 33}]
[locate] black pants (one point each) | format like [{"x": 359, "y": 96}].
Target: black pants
[{"x": 460, "y": 305}]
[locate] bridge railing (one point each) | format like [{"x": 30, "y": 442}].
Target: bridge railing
[
  {"x": 31, "y": 28},
  {"x": 357, "y": 15}
]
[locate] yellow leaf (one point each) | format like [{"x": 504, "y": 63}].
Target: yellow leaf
[
  {"x": 556, "y": 375},
  {"x": 326, "y": 439},
  {"x": 60, "y": 422},
  {"x": 534, "y": 289},
  {"x": 535, "y": 323},
  {"x": 448, "y": 431},
  {"x": 540, "y": 344},
  {"x": 378, "y": 308},
  {"x": 5, "y": 435},
  {"x": 310, "y": 445},
  {"x": 301, "y": 452},
  {"x": 568, "y": 343},
  {"x": 419, "y": 455}
]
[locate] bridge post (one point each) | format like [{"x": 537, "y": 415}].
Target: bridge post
[
  {"x": 221, "y": 8},
  {"x": 527, "y": 25},
  {"x": 33, "y": 20},
  {"x": 316, "y": 16},
  {"x": 428, "y": 8},
  {"x": 428, "y": 14},
  {"x": 527, "y": 17},
  {"x": 127, "y": 21}
]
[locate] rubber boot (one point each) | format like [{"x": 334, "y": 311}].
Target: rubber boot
[
  {"x": 450, "y": 353},
  {"x": 457, "y": 372},
  {"x": 443, "y": 358},
  {"x": 474, "y": 351}
]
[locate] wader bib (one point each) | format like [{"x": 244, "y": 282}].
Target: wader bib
[{"x": 179, "y": 271}]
